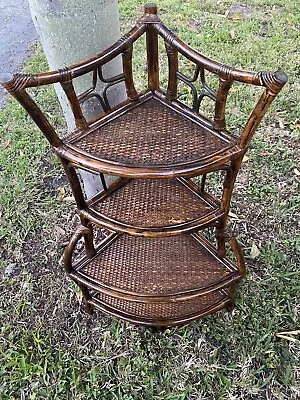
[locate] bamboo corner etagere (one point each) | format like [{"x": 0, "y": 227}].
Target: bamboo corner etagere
[{"x": 155, "y": 267}]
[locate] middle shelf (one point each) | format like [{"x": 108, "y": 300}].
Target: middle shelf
[{"x": 153, "y": 207}]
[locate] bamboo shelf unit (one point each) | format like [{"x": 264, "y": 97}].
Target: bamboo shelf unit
[{"x": 155, "y": 267}]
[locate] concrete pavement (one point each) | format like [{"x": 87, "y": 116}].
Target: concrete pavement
[{"x": 17, "y": 31}]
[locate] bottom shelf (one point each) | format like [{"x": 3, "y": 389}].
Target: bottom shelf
[
  {"x": 161, "y": 314},
  {"x": 157, "y": 281}
]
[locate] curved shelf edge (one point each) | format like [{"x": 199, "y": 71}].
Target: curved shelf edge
[
  {"x": 145, "y": 298},
  {"x": 155, "y": 232},
  {"x": 75, "y": 152},
  {"x": 198, "y": 167},
  {"x": 234, "y": 275},
  {"x": 204, "y": 210},
  {"x": 159, "y": 322}
]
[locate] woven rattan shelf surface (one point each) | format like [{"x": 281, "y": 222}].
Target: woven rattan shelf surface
[
  {"x": 149, "y": 135},
  {"x": 160, "y": 313},
  {"x": 156, "y": 205},
  {"x": 157, "y": 267}
]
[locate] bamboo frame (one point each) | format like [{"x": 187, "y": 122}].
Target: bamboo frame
[{"x": 227, "y": 157}]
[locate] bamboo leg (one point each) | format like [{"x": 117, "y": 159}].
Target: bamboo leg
[
  {"x": 203, "y": 180},
  {"x": 88, "y": 238},
  {"x": 220, "y": 236},
  {"x": 74, "y": 183},
  {"x": 232, "y": 297},
  {"x": 221, "y": 229},
  {"x": 86, "y": 297}
]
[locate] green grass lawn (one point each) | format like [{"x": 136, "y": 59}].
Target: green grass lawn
[{"x": 50, "y": 349}]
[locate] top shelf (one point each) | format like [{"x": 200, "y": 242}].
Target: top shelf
[{"x": 150, "y": 138}]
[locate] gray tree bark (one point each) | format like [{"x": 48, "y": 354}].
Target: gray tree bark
[{"x": 74, "y": 30}]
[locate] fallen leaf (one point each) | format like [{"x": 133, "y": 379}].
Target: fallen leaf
[
  {"x": 297, "y": 123},
  {"x": 291, "y": 339},
  {"x": 296, "y": 172},
  {"x": 61, "y": 193},
  {"x": 254, "y": 253},
  {"x": 292, "y": 25},
  {"x": 237, "y": 12},
  {"x": 10, "y": 269},
  {"x": 235, "y": 16},
  {"x": 7, "y": 144},
  {"x": 281, "y": 123},
  {"x": 232, "y": 215},
  {"x": 60, "y": 231},
  {"x": 297, "y": 332},
  {"x": 245, "y": 159},
  {"x": 235, "y": 111},
  {"x": 232, "y": 34},
  {"x": 70, "y": 199}
]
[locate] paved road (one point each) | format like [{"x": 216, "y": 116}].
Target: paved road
[{"x": 16, "y": 33}]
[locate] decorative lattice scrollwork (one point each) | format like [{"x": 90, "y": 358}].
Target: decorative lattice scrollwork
[
  {"x": 206, "y": 89},
  {"x": 102, "y": 98}
]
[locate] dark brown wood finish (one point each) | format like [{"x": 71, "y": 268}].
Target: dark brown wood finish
[
  {"x": 152, "y": 59},
  {"x": 155, "y": 212},
  {"x": 219, "y": 119},
  {"x": 127, "y": 66},
  {"x": 67, "y": 85},
  {"x": 172, "y": 53}
]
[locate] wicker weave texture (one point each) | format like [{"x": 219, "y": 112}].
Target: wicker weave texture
[
  {"x": 150, "y": 134},
  {"x": 152, "y": 266},
  {"x": 153, "y": 203},
  {"x": 161, "y": 311}
]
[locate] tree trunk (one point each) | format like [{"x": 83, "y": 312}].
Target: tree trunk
[{"x": 71, "y": 31}]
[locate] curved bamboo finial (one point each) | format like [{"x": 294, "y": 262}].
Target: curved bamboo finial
[
  {"x": 274, "y": 81},
  {"x": 17, "y": 82},
  {"x": 150, "y": 8}
]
